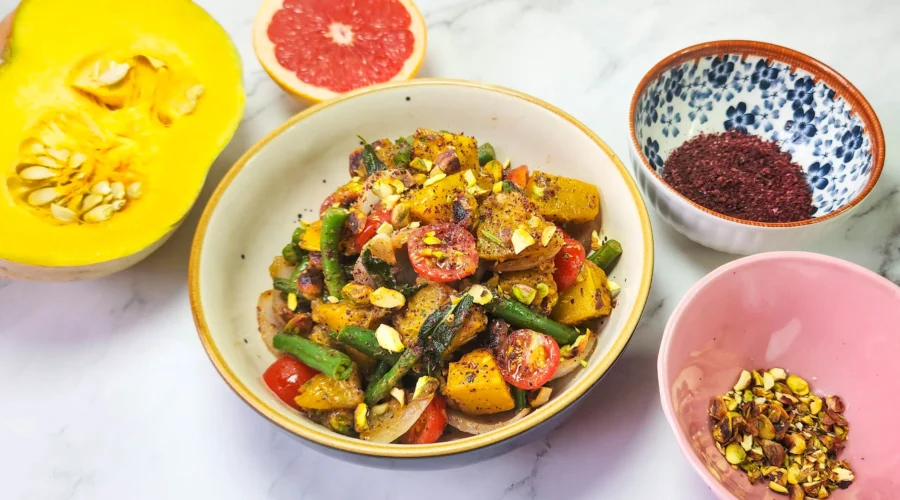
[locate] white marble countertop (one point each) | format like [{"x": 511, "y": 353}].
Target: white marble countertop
[{"x": 107, "y": 393}]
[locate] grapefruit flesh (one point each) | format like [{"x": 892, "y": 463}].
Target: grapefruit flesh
[{"x": 317, "y": 49}]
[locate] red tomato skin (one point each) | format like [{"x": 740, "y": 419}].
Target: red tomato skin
[
  {"x": 455, "y": 238},
  {"x": 568, "y": 263},
  {"x": 514, "y": 365},
  {"x": 430, "y": 426},
  {"x": 373, "y": 222},
  {"x": 518, "y": 176},
  {"x": 285, "y": 376},
  {"x": 328, "y": 203}
]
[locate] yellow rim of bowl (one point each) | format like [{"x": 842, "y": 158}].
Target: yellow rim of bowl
[{"x": 324, "y": 437}]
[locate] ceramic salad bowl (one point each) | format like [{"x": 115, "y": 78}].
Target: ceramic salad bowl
[
  {"x": 769, "y": 311},
  {"x": 773, "y": 92},
  {"x": 292, "y": 170}
]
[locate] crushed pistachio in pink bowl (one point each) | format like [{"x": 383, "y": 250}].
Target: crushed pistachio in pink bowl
[{"x": 834, "y": 323}]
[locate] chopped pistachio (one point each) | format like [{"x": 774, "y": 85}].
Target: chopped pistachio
[
  {"x": 399, "y": 394},
  {"x": 389, "y": 338},
  {"x": 778, "y": 373},
  {"x": 735, "y": 454},
  {"x": 360, "y": 422},
  {"x": 743, "y": 381},
  {"x": 480, "y": 294},
  {"x": 425, "y": 386},
  {"x": 524, "y": 293},
  {"x": 387, "y": 298},
  {"x": 547, "y": 234},
  {"x": 434, "y": 179},
  {"x": 521, "y": 239},
  {"x": 798, "y": 386}
]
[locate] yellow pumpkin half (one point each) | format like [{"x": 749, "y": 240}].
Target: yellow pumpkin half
[{"x": 112, "y": 113}]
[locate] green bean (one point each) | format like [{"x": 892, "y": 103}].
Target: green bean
[
  {"x": 607, "y": 256},
  {"x": 486, "y": 154},
  {"x": 520, "y": 315},
  {"x": 364, "y": 341},
  {"x": 332, "y": 224},
  {"x": 301, "y": 266},
  {"x": 285, "y": 285},
  {"x": 331, "y": 362},
  {"x": 381, "y": 387},
  {"x": 520, "y": 397},
  {"x": 370, "y": 159},
  {"x": 290, "y": 253},
  {"x": 381, "y": 369}
]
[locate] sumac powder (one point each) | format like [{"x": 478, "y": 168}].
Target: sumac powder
[{"x": 742, "y": 176}]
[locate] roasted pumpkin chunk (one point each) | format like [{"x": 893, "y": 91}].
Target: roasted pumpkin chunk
[
  {"x": 563, "y": 199},
  {"x": 476, "y": 385},
  {"x": 587, "y": 299}
]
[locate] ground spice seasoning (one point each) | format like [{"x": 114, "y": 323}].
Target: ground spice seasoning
[{"x": 742, "y": 176}]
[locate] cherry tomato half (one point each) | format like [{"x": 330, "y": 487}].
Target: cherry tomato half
[
  {"x": 518, "y": 176},
  {"x": 443, "y": 252},
  {"x": 530, "y": 359},
  {"x": 285, "y": 376},
  {"x": 430, "y": 425},
  {"x": 373, "y": 222},
  {"x": 568, "y": 263}
]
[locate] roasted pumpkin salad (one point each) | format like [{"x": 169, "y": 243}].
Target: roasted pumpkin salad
[{"x": 439, "y": 287}]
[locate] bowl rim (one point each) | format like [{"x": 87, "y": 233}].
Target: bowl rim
[
  {"x": 662, "y": 360},
  {"x": 819, "y": 70},
  {"x": 360, "y": 447}
]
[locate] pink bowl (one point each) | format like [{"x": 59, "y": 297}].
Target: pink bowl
[{"x": 831, "y": 322}]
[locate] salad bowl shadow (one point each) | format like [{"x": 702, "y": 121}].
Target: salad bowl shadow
[
  {"x": 290, "y": 172},
  {"x": 775, "y": 93}
]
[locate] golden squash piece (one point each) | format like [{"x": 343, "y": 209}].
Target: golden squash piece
[
  {"x": 587, "y": 299},
  {"x": 311, "y": 239},
  {"x": 500, "y": 216},
  {"x": 428, "y": 144},
  {"x": 434, "y": 203},
  {"x": 426, "y": 301},
  {"x": 563, "y": 199},
  {"x": 337, "y": 316},
  {"x": 113, "y": 113},
  {"x": 324, "y": 393},
  {"x": 476, "y": 385},
  {"x": 545, "y": 296}
]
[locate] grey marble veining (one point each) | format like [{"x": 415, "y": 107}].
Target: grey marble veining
[{"x": 107, "y": 392}]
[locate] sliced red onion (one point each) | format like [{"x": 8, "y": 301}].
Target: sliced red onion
[
  {"x": 394, "y": 422},
  {"x": 479, "y": 424}
]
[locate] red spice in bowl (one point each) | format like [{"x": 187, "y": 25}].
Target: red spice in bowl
[{"x": 742, "y": 176}]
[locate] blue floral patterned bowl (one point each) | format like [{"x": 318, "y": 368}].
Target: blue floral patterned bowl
[{"x": 779, "y": 94}]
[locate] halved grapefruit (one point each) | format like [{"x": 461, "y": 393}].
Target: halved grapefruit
[{"x": 317, "y": 49}]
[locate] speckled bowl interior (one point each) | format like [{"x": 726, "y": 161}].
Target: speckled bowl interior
[
  {"x": 776, "y": 100},
  {"x": 769, "y": 310},
  {"x": 255, "y": 209}
]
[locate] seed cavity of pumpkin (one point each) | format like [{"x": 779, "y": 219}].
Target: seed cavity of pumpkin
[{"x": 85, "y": 165}]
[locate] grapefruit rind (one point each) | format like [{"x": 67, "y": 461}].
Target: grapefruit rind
[{"x": 287, "y": 79}]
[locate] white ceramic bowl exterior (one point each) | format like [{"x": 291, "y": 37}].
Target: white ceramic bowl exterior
[
  {"x": 765, "y": 90},
  {"x": 255, "y": 209}
]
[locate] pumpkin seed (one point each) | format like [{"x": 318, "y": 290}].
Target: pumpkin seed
[
  {"x": 43, "y": 196},
  {"x": 60, "y": 155},
  {"x": 99, "y": 213},
  {"x": 77, "y": 160},
  {"x": 37, "y": 173},
  {"x": 62, "y": 213},
  {"x": 118, "y": 190},
  {"x": 101, "y": 188},
  {"x": 91, "y": 201},
  {"x": 134, "y": 190},
  {"x": 113, "y": 74}
]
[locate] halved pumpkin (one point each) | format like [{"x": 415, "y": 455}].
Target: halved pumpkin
[{"x": 112, "y": 113}]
